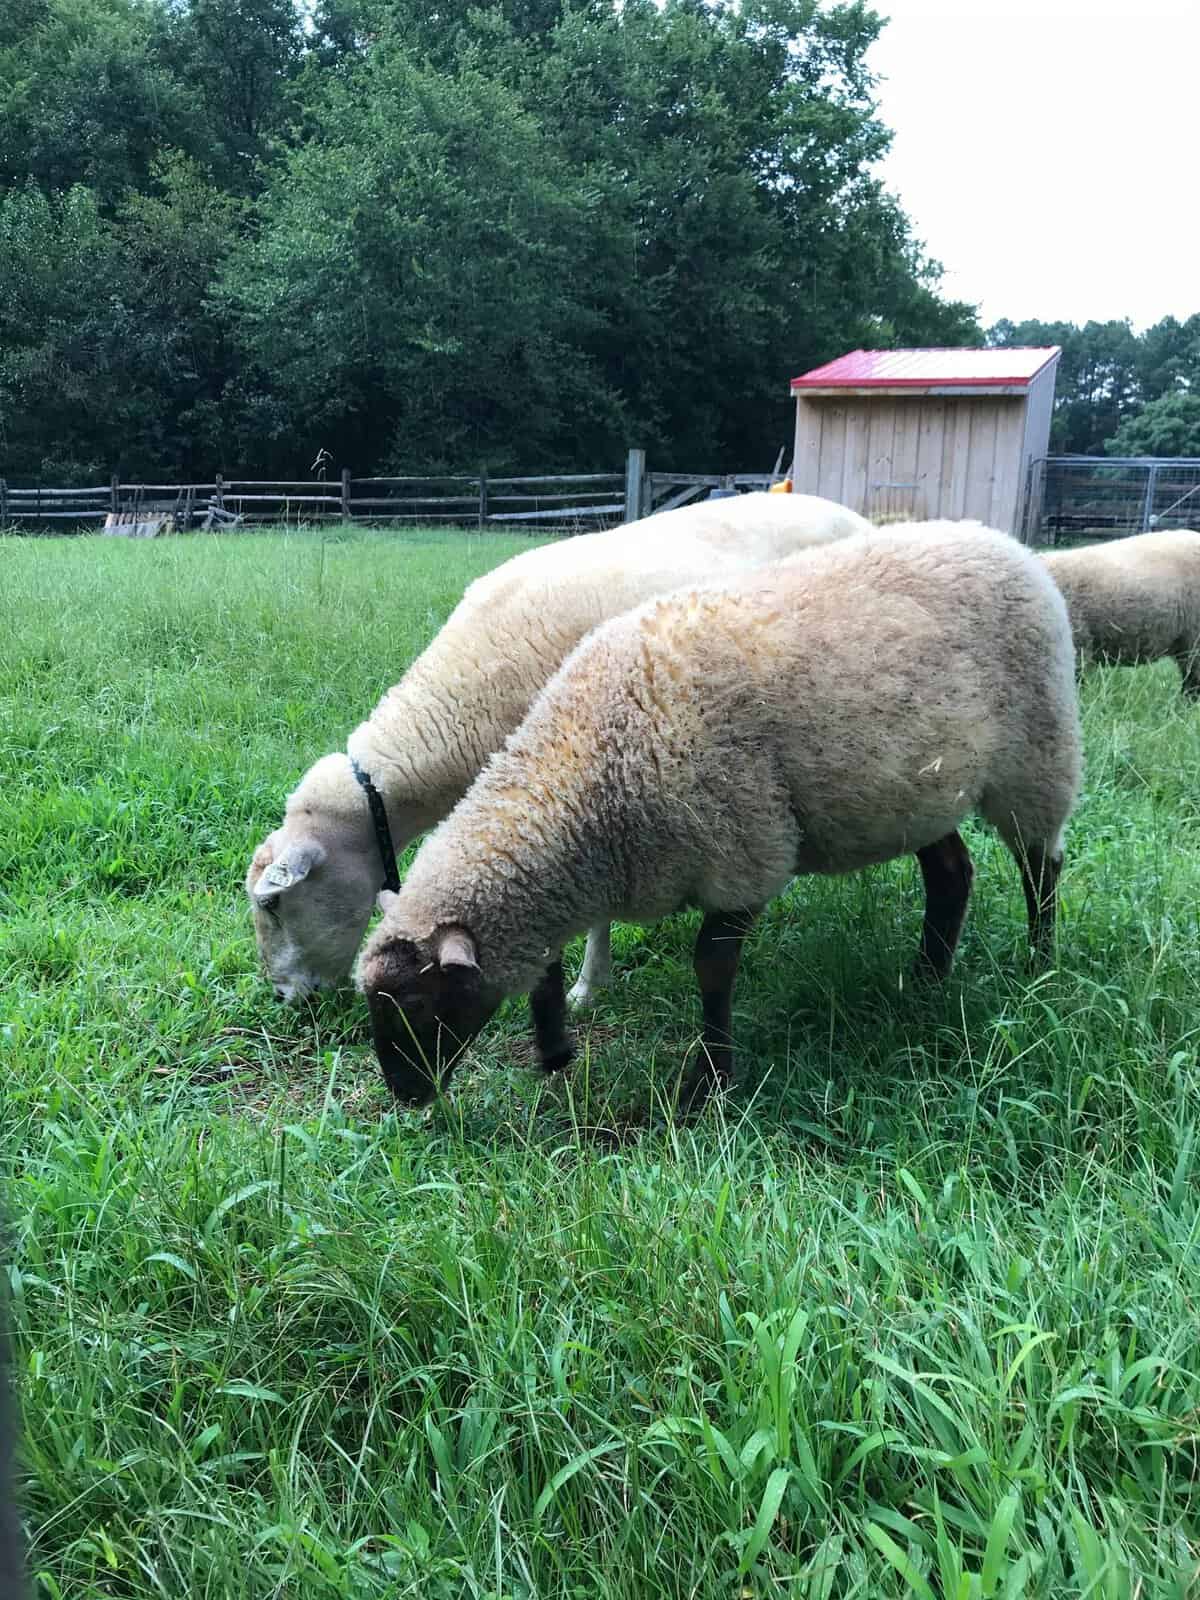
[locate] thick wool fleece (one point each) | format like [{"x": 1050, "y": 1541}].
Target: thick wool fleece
[
  {"x": 512, "y": 629},
  {"x": 429, "y": 736},
  {"x": 1135, "y": 600},
  {"x": 850, "y": 705}
]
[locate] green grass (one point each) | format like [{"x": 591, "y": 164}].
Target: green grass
[{"x": 916, "y": 1312}]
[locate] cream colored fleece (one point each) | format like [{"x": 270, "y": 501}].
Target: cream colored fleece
[
  {"x": 1135, "y": 600},
  {"x": 849, "y": 705},
  {"x": 429, "y": 735}
]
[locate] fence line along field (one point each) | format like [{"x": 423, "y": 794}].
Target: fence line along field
[
  {"x": 539, "y": 502},
  {"x": 913, "y": 1315}
]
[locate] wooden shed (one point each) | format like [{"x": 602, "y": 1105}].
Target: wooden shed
[{"x": 925, "y": 433}]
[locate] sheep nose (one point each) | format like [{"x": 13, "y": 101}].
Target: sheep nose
[{"x": 280, "y": 994}]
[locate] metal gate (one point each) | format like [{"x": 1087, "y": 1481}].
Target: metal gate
[{"x": 1107, "y": 497}]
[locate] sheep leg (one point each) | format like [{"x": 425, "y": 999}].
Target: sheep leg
[
  {"x": 1189, "y": 665},
  {"x": 596, "y": 969},
  {"x": 947, "y": 871},
  {"x": 555, "y": 1047},
  {"x": 1039, "y": 879},
  {"x": 715, "y": 961}
]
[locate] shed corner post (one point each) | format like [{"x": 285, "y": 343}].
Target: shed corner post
[
  {"x": 1029, "y": 514},
  {"x": 635, "y": 478}
]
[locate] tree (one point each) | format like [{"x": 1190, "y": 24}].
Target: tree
[
  {"x": 1167, "y": 426},
  {"x": 736, "y": 233},
  {"x": 1169, "y": 357},
  {"x": 107, "y": 352},
  {"x": 1109, "y": 377},
  {"x": 1097, "y": 384},
  {"x": 241, "y": 58},
  {"x": 520, "y": 231},
  {"x": 86, "y": 97},
  {"x": 410, "y": 297}
]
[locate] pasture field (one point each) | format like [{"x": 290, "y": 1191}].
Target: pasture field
[{"x": 914, "y": 1312}]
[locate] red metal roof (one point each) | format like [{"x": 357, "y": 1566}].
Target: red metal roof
[{"x": 922, "y": 369}]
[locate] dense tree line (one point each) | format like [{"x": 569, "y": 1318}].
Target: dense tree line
[
  {"x": 1125, "y": 393},
  {"x": 430, "y": 235}
]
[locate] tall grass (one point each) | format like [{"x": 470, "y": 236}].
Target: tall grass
[{"x": 916, "y": 1312}]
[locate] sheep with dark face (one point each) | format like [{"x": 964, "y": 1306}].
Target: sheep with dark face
[
  {"x": 849, "y": 705},
  {"x": 1135, "y": 600},
  {"x": 312, "y": 883}
]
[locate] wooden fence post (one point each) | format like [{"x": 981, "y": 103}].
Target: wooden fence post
[
  {"x": 635, "y": 474},
  {"x": 219, "y": 497},
  {"x": 114, "y": 497},
  {"x": 345, "y": 494},
  {"x": 483, "y": 498},
  {"x": 3, "y": 503}
]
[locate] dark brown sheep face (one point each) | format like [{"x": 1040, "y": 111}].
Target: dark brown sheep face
[{"x": 427, "y": 1002}]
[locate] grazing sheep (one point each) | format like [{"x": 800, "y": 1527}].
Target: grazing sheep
[
  {"x": 312, "y": 883},
  {"x": 1135, "y": 600},
  {"x": 850, "y": 705}
]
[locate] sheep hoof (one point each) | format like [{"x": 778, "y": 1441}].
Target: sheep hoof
[
  {"x": 697, "y": 1088},
  {"x": 926, "y": 974},
  {"x": 559, "y": 1060},
  {"x": 580, "y": 994}
]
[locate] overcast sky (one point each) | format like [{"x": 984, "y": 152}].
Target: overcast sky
[{"x": 1049, "y": 155}]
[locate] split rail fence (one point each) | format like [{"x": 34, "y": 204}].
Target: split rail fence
[{"x": 543, "y": 502}]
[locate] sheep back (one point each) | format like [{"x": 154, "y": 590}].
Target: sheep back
[
  {"x": 1133, "y": 600},
  {"x": 849, "y": 705},
  {"x": 514, "y": 625}
]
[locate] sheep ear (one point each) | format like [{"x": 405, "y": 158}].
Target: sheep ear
[
  {"x": 456, "y": 948},
  {"x": 386, "y": 899},
  {"x": 289, "y": 868}
]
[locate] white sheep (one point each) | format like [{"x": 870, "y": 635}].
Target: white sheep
[
  {"x": 312, "y": 883},
  {"x": 848, "y": 706},
  {"x": 1135, "y": 600}
]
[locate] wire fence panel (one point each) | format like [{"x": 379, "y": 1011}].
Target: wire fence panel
[{"x": 1109, "y": 497}]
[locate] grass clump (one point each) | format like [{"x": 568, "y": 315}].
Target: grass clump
[{"x": 915, "y": 1312}]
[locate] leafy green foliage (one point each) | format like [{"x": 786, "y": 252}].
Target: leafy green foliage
[
  {"x": 1108, "y": 373},
  {"x": 912, "y": 1313},
  {"x": 411, "y": 292},
  {"x": 1168, "y": 426},
  {"x": 107, "y": 347},
  {"x": 527, "y": 233},
  {"x": 240, "y": 59},
  {"x": 87, "y": 97}
]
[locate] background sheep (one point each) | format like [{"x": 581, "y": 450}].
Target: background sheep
[
  {"x": 851, "y": 705},
  {"x": 312, "y": 883},
  {"x": 1135, "y": 600}
]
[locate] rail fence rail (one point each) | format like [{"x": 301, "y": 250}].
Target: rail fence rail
[{"x": 542, "y": 502}]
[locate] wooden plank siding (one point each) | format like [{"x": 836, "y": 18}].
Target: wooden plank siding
[
  {"x": 832, "y": 474},
  {"x": 918, "y": 456}
]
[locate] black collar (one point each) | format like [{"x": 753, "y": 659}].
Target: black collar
[{"x": 383, "y": 834}]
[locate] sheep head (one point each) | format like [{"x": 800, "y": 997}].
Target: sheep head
[{"x": 427, "y": 999}]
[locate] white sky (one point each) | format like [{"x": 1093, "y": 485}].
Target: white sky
[{"x": 1049, "y": 155}]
